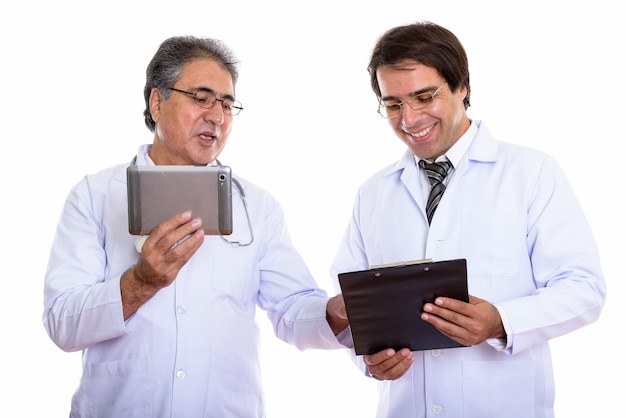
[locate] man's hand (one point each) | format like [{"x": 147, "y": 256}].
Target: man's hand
[
  {"x": 164, "y": 253},
  {"x": 467, "y": 323},
  {"x": 389, "y": 364},
  {"x": 336, "y": 314}
]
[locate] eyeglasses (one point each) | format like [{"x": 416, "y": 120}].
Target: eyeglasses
[
  {"x": 207, "y": 99},
  {"x": 389, "y": 109}
]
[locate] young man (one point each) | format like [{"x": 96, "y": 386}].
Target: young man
[{"x": 533, "y": 267}]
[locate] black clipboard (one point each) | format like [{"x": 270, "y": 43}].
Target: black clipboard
[{"x": 384, "y": 304}]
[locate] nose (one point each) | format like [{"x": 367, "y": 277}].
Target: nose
[
  {"x": 409, "y": 115},
  {"x": 214, "y": 114}
]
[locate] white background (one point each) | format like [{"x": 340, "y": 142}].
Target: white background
[{"x": 545, "y": 74}]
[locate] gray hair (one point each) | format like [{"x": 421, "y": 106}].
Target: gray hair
[{"x": 168, "y": 62}]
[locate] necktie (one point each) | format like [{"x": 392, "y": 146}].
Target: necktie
[{"x": 436, "y": 172}]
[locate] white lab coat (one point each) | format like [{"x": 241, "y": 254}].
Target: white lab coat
[
  {"x": 191, "y": 350},
  {"x": 511, "y": 213}
]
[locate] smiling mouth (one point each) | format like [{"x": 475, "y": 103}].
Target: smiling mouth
[{"x": 421, "y": 133}]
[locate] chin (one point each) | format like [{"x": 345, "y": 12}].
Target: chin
[{"x": 203, "y": 158}]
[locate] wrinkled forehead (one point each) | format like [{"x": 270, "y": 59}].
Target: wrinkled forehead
[{"x": 206, "y": 74}]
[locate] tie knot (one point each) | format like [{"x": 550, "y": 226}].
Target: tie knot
[{"x": 436, "y": 172}]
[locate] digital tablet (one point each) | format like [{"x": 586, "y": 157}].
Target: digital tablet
[{"x": 158, "y": 192}]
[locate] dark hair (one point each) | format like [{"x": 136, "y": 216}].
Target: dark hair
[
  {"x": 167, "y": 64},
  {"x": 427, "y": 43}
]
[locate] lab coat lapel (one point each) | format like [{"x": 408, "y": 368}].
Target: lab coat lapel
[
  {"x": 444, "y": 235},
  {"x": 410, "y": 180}
]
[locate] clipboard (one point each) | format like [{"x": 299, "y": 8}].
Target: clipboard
[{"x": 384, "y": 304}]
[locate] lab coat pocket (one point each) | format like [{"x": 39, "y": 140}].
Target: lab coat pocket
[
  {"x": 483, "y": 381},
  {"x": 497, "y": 255},
  {"x": 114, "y": 389},
  {"x": 234, "y": 388},
  {"x": 232, "y": 269}
]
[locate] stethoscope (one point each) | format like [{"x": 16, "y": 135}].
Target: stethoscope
[
  {"x": 234, "y": 243},
  {"x": 245, "y": 207}
]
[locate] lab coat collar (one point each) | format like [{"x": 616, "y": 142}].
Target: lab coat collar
[{"x": 484, "y": 148}]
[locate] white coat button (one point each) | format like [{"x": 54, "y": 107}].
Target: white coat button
[
  {"x": 181, "y": 309},
  {"x": 435, "y": 353},
  {"x": 437, "y": 409},
  {"x": 180, "y": 374}
]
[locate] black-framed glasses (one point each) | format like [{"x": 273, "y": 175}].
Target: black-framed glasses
[
  {"x": 389, "y": 109},
  {"x": 207, "y": 99}
]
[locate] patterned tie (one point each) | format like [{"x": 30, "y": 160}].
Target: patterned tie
[{"x": 436, "y": 172}]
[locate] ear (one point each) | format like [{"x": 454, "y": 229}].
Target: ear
[
  {"x": 155, "y": 104},
  {"x": 463, "y": 91}
]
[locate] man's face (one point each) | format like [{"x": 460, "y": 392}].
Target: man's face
[
  {"x": 185, "y": 133},
  {"x": 432, "y": 129}
]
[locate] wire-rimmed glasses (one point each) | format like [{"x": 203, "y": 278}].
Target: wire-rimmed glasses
[
  {"x": 389, "y": 109},
  {"x": 206, "y": 98}
]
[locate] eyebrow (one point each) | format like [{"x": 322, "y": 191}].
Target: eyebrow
[
  {"x": 412, "y": 94},
  {"x": 424, "y": 90},
  {"x": 210, "y": 90}
]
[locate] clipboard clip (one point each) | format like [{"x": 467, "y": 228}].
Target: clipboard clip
[{"x": 403, "y": 263}]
